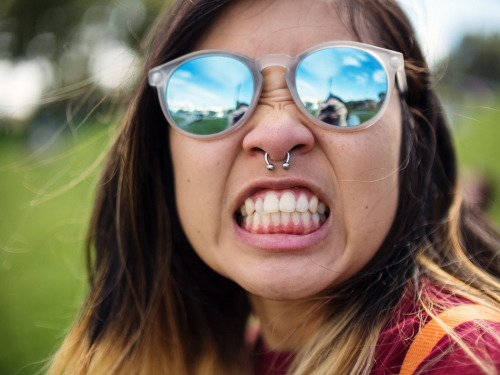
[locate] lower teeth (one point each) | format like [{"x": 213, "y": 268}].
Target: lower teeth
[{"x": 294, "y": 223}]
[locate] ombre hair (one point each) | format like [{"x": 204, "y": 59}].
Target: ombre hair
[{"x": 155, "y": 308}]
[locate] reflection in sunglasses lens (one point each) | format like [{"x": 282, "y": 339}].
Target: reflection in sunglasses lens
[
  {"x": 209, "y": 94},
  {"x": 342, "y": 86}
]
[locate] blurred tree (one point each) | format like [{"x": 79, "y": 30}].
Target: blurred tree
[
  {"x": 24, "y": 20},
  {"x": 475, "y": 63},
  {"x": 55, "y": 50},
  {"x": 27, "y": 26}
]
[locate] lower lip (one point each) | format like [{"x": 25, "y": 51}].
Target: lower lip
[{"x": 282, "y": 242}]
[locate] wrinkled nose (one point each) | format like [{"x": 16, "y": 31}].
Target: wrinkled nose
[{"x": 277, "y": 125}]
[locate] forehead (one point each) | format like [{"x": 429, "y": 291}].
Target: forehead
[{"x": 260, "y": 27}]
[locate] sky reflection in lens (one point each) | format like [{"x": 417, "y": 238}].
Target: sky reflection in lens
[
  {"x": 348, "y": 83},
  {"x": 208, "y": 88}
]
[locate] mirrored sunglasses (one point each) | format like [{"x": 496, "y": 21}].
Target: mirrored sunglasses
[{"x": 342, "y": 86}]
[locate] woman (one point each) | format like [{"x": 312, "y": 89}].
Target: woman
[{"x": 340, "y": 242}]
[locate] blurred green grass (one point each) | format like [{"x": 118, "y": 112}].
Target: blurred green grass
[
  {"x": 45, "y": 203},
  {"x": 476, "y": 131},
  {"x": 42, "y": 234}
]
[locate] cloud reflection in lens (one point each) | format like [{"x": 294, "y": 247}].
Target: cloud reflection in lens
[{"x": 209, "y": 94}]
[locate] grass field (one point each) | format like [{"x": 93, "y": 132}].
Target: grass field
[
  {"x": 477, "y": 137},
  {"x": 45, "y": 202}
]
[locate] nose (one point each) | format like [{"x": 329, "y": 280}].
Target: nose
[{"x": 276, "y": 125}]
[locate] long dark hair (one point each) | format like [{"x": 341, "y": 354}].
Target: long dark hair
[
  {"x": 144, "y": 267},
  {"x": 149, "y": 290}
]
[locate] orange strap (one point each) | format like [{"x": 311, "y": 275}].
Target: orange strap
[{"x": 432, "y": 332}]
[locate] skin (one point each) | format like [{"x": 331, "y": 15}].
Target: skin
[{"x": 354, "y": 173}]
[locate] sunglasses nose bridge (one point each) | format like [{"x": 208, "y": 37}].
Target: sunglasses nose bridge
[{"x": 274, "y": 60}]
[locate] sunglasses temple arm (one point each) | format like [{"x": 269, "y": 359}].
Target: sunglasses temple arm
[{"x": 401, "y": 80}]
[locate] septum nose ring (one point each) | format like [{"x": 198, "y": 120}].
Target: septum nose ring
[{"x": 285, "y": 165}]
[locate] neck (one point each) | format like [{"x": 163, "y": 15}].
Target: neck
[{"x": 285, "y": 325}]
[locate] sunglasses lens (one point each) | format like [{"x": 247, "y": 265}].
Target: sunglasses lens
[
  {"x": 342, "y": 86},
  {"x": 209, "y": 94}
]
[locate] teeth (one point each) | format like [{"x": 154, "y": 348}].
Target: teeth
[
  {"x": 259, "y": 205},
  {"x": 249, "y": 206},
  {"x": 287, "y": 202},
  {"x": 315, "y": 218},
  {"x": 256, "y": 221},
  {"x": 306, "y": 218},
  {"x": 285, "y": 217},
  {"x": 313, "y": 204},
  {"x": 269, "y": 212},
  {"x": 276, "y": 218},
  {"x": 266, "y": 219},
  {"x": 271, "y": 203},
  {"x": 302, "y": 203}
]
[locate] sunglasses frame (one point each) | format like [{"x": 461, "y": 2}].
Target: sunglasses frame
[{"x": 391, "y": 61}]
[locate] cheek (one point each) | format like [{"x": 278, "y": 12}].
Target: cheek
[
  {"x": 371, "y": 173},
  {"x": 197, "y": 187},
  {"x": 200, "y": 173},
  {"x": 371, "y": 158},
  {"x": 369, "y": 183}
]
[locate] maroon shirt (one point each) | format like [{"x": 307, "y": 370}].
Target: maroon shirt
[
  {"x": 268, "y": 362},
  {"x": 396, "y": 339}
]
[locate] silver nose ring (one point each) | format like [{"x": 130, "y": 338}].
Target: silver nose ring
[{"x": 285, "y": 165}]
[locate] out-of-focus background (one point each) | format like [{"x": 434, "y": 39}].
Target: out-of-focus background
[{"x": 65, "y": 65}]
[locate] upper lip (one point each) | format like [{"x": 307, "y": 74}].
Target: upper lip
[{"x": 278, "y": 183}]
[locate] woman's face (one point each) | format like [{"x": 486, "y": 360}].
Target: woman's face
[{"x": 354, "y": 175}]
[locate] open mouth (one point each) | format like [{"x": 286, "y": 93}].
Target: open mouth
[{"x": 290, "y": 211}]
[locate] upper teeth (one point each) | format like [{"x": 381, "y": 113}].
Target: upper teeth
[{"x": 287, "y": 203}]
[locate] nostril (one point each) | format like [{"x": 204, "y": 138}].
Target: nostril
[{"x": 298, "y": 147}]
